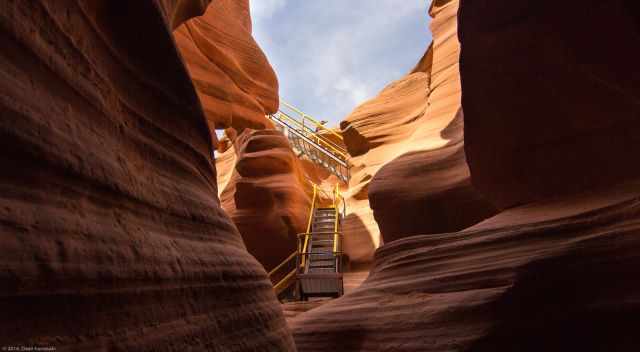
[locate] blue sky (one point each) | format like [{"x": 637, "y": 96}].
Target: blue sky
[{"x": 332, "y": 55}]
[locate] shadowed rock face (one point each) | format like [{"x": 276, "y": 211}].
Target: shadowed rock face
[
  {"x": 267, "y": 195},
  {"x": 232, "y": 76},
  {"x": 556, "y": 272},
  {"x": 267, "y": 191},
  {"x": 410, "y": 139},
  {"x": 112, "y": 234},
  {"x": 550, "y": 276},
  {"x": 550, "y": 117}
]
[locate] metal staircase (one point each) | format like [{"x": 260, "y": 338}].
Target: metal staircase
[
  {"x": 317, "y": 269},
  {"x": 311, "y": 139}
]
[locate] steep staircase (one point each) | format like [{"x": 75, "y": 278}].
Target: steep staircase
[
  {"x": 312, "y": 140},
  {"x": 321, "y": 270},
  {"x": 316, "y": 268}
]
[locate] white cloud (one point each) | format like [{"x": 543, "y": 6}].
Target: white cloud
[
  {"x": 358, "y": 92},
  {"x": 332, "y": 55},
  {"x": 265, "y": 9}
]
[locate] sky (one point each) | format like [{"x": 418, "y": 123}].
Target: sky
[{"x": 332, "y": 55}]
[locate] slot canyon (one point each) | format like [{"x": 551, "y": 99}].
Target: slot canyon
[{"x": 158, "y": 194}]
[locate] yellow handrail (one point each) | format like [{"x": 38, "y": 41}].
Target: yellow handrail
[
  {"x": 274, "y": 270},
  {"x": 337, "y": 221},
  {"x": 313, "y": 206},
  {"x": 318, "y": 138},
  {"x": 315, "y": 122},
  {"x": 337, "y": 198},
  {"x": 282, "y": 284}
]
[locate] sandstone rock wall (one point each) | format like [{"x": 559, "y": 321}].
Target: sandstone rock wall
[
  {"x": 550, "y": 276},
  {"x": 232, "y": 76},
  {"x": 112, "y": 235},
  {"x": 573, "y": 123},
  {"x": 556, "y": 270},
  {"x": 267, "y": 195},
  {"x": 407, "y": 145},
  {"x": 267, "y": 190}
]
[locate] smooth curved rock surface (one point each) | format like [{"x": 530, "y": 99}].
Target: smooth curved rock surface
[
  {"x": 554, "y": 274},
  {"x": 112, "y": 234},
  {"x": 267, "y": 194},
  {"x": 407, "y": 145},
  {"x": 232, "y": 76},
  {"x": 550, "y": 276},
  {"x": 562, "y": 113}
]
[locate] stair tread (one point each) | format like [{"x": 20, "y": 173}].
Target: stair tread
[
  {"x": 331, "y": 270},
  {"x": 323, "y": 262}
]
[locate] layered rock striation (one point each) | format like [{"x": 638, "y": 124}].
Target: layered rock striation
[
  {"x": 549, "y": 276},
  {"x": 112, "y": 235},
  {"x": 408, "y": 147},
  {"x": 233, "y": 78},
  {"x": 268, "y": 194},
  {"x": 573, "y": 123},
  {"x": 555, "y": 269}
]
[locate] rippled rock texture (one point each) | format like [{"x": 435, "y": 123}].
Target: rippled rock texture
[
  {"x": 543, "y": 91},
  {"x": 574, "y": 122},
  {"x": 552, "y": 276},
  {"x": 408, "y": 147},
  {"x": 266, "y": 193},
  {"x": 112, "y": 236},
  {"x": 232, "y": 76}
]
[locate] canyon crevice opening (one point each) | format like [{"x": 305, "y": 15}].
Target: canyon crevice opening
[{"x": 159, "y": 193}]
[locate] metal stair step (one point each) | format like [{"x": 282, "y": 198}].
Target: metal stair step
[
  {"x": 328, "y": 266},
  {"x": 323, "y": 270},
  {"x": 322, "y": 250},
  {"x": 318, "y": 263},
  {"x": 321, "y": 256},
  {"x": 322, "y": 243}
]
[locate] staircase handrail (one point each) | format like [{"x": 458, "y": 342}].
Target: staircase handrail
[
  {"x": 282, "y": 264},
  {"x": 318, "y": 125},
  {"x": 336, "y": 253},
  {"x": 336, "y": 200},
  {"x": 322, "y": 141}
]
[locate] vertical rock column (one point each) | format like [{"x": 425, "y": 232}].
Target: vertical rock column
[
  {"x": 551, "y": 124},
  {"x": 408, "y": 144},
  {"x": 111, "y": 233},
  {"x": 267, "y": 195}
]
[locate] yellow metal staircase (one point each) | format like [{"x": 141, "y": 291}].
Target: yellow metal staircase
[
  {"x": 315, "y": 269},
  {"x": 311, "y": 139}
]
